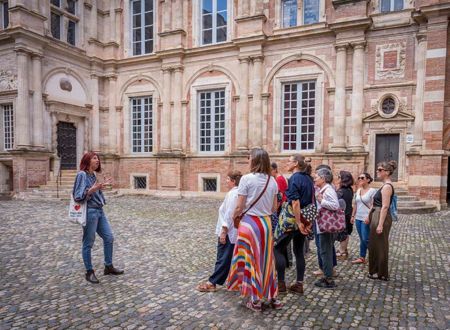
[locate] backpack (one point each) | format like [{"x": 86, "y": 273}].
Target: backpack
[{"x": 393, "y": 208}]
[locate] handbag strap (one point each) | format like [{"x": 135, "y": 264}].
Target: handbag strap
[
  {"x": 360, "y": 197},
  {"x": 259, "y": 197}
]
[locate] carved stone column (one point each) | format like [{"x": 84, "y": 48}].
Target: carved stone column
[
  {"x": 357, "y": 97},
  {"x": 420, "y": 90},
  {"x": 176, "y": 126},
  {"x": 242, "y": 111},
  {"x": 23, "y": 95},
  {"x": 38, "y": 111},
  {"x": 112, "y": 121},
  {"x": 256, "y": 114},
  {"x": 165, "y": 113},
  {"x": 339, "y": 99}
]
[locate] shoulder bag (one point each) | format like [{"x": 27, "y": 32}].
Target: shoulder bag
[{"x": 331, "y": 221}]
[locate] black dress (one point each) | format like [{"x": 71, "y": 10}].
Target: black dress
[{"x": 346, "y": 193}]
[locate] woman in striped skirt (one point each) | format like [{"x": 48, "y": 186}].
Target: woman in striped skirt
[{"x": 253, "y": 267}]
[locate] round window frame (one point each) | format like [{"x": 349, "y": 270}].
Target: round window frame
[{"x": 380, "y": 106}]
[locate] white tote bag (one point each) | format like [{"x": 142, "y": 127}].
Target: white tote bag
[{"x": 77, "y": 212}]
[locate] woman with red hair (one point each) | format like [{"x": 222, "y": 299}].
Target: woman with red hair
[{"x": 87, "y": 189}]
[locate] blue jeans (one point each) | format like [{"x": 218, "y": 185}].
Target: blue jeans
[
  {"x": 317, "y": 240},
  {"x": 223, "y": 262},
  {"x": 363, "y": 232},
  {"x": 96, "y": 222}
]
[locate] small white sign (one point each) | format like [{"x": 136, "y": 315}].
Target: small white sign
[{"x": 409, "y": 138}]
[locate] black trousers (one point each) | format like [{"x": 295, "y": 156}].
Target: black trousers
[{"x": 280, "y": 252}]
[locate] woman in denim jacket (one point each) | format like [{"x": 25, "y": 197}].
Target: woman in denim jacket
[{"x": 87, "y": 189}]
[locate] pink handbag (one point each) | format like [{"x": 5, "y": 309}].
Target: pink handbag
[{"x": 331, "y": 221}]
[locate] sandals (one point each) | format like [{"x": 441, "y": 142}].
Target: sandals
[
  {"x": 256, "y": 307},
  {"x": 360, "y": 260},
  {"x": 206, "y": 287},
  {"x": 372, "y": 276},
  {"x": 376, "y": 277},
  {"x": 342, "y": 255}
]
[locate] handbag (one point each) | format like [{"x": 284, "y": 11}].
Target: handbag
[
  {"x": 77, "y": 212},
  {"x": 331, "y": 221},
  {"x": 237, "y": 219}
]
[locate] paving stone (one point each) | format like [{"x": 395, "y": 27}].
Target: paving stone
[{"x": 167, "y": 246}]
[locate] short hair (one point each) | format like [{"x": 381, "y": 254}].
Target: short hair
[
  {"x": 303, "y": 164},
  {"x": 390, "y": 166},
  {"x": 323, "y": 166},
  {"x": 325, "y": 174},
  {"x": 274, "y": 166},
  {"x": 260, "y": 162},
  {"x": 346, "y": 179},
  {"x": 85, "y": 162},
  {"x": 235, "y": 176}
]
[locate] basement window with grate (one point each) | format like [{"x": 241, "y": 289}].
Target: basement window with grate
[
  {"x": 140, "y": 182},
  {"x": 210, "y": 184}
]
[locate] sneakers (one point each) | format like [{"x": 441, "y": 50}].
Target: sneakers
[
  {"x": 297, "y": 287},
  {"x": 282, "y": 287},
  {"x": 90, "y": 277},
  {"x": 326, "y": 283}
]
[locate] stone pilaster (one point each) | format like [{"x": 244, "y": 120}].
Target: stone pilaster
[
  {"x": 95, "y": 115},
  {"x": 166, "y": 15},
  {"x": 339, "y": 99},
  {"x": 38, "y": 111},
  {"x": 176, "y": 126},
  {"x": 22, "y": 138},
  {"x": 255, "y": 124},
  {"x": 112, "y": 20},
  {"x": 242, "y": 111},
  {"x": 112, "y": 120},
  {"x": 165, "y": 113},
  {"x": 357, "y": 97},
  {"x": 93, "y": 21}
]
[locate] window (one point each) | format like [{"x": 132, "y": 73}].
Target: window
[
  {"x": 4, "y": 14},
  {"x": 212, "y": 121},
  {"x": 289, "y": 13},
  {"x": 142, "y": 26},
  {"x": 56, "y": 26},
  {"x": 209, "y": 184},
  {"x": 310, "y": 11},
  {"x": 71, "y": 33},
  {"x": 8, "y": 126},
  {"x": 142, "y": 124},
  {"x": 391, "y": 5},
  {"x": 56, "y": 3},
  {"x": 214, "y": 21},
  {"x": 388, "y": 105},
  {"x": 71, "y": 6},
  {"x": 139, "y": 182},
  {"x": 299, "y": 115}
]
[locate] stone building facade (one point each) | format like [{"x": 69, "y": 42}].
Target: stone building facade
[{"x": 173, "y": 93}]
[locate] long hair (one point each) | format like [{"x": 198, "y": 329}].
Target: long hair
[
  {"x": 303, "y": 164},
  {"x": 260, "y": 162},
  {"x": 346, "y": 179},
  {"x": 86, "y": 161}
]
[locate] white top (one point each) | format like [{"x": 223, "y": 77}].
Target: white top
[
  {"x": 251, "y": 185},
  {"x": 362, "y": 211},
  {"x": 330, "y": 201},
  {"x": 226, "y": 215}
]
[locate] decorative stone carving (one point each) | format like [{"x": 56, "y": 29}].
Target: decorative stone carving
[
  {"x": 390, "y": 61},
  {"x": 65, "y": 84},
  {"x": 399, "y": 106},
  {"x": 8, "y": 80}
]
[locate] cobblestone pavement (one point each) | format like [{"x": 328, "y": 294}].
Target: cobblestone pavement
[{"x": 167, "y": 247}]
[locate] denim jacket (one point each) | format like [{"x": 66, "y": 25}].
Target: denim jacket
[{"x": 83, "y": 182}]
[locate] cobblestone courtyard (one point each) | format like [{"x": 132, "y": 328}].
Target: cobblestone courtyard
[{"x": 168, "y": 246}]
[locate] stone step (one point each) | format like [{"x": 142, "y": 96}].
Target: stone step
[
  {"x": 5, "y": 197},
  {"x": 408, "y": 204},
  {"x": 417, "y": 209},
  {"x": 406, "y": 198}
]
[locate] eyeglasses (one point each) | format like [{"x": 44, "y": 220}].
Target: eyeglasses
[
  {"x": 362, "y": 178},
  {"x": 380, "y": 169}
]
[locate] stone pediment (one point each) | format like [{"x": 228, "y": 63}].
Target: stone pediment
[{"x": 400, "y": 116}]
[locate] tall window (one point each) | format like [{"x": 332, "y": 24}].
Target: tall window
[
  {"x": 61, "y": 13},
  {"x": 391, "y": 5},
  {"x": 299, "y": 109},
  {"x": 214, "y": 21},
  {"x": 142, "y": 124},
  {"x": 289, "y": 13},
  {"x": 71, "y": 33},
  {"x": 291, "y": 16},
  {"x": 4, "y": 14},
  {"x": 311, "y": 11},
  {"x": 8, "y": 126},
  {"x": 142, "y": 13},
  {"x": 56, "y": 25},
  {"x": 212, "y": 120}
]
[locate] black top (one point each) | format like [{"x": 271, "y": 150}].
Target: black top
[
  {"x": 300, "y": 187},
  {"x": 378, "y": 198},
  {"x": 346, "y": 193}
]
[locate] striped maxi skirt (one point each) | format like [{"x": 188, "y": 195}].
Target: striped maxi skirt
[{"x": 252, "y": 269}]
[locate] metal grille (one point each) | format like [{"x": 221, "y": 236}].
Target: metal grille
[
  {"x": 388, "y": 105},
  {"x": 142, "y": 26},
  {"x": 214, "y": 21},
  {"x": 209, "y": 184},
  {"x": 67, "y": 144},
  {"x": 299, "y": 101},
  {"x": 140, "y": 182},
  {"x": 212, "y": 121},
  {"x": 8, "y": 126},
  {"x": 142, "y": 124}
]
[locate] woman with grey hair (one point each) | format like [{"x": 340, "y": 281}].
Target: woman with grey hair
[{"x": 326, "y": 198}]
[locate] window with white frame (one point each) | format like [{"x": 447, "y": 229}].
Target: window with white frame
[
  {"x": 291, "y": 16},
  {"x": 142, "y": 25},
  {"x": 4, "y": 14},
  {"x": 214, "y": 15},
  {"x": 212, "y": 120},
  {"x": 64, "y": 10},
  {"x": 298, "y": 115},
  {"x": 142, "y": 124},
  {"x": 8, "y": 126},
  {"x": 391, "y": 5}
]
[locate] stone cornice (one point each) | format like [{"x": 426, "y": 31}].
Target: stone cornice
[
  {"x": 440, "y": 9},
  {"x": 31, "y": 12},
  {"x": 251, "y": 18},
  {"x": 172, "y": 32},
  {"x": 352, "y": 24},
  {"x": 337, "y": 3}
]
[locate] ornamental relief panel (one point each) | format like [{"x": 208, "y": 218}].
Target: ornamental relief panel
[
  {"x": 390, "y": 61},
  {"x": 8, "y": 80}
]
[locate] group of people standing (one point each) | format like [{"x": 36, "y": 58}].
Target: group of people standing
[{"x": 253, "y": 249}]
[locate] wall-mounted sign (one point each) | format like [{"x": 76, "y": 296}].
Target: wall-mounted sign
[{"x": 409, "y": 138}]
